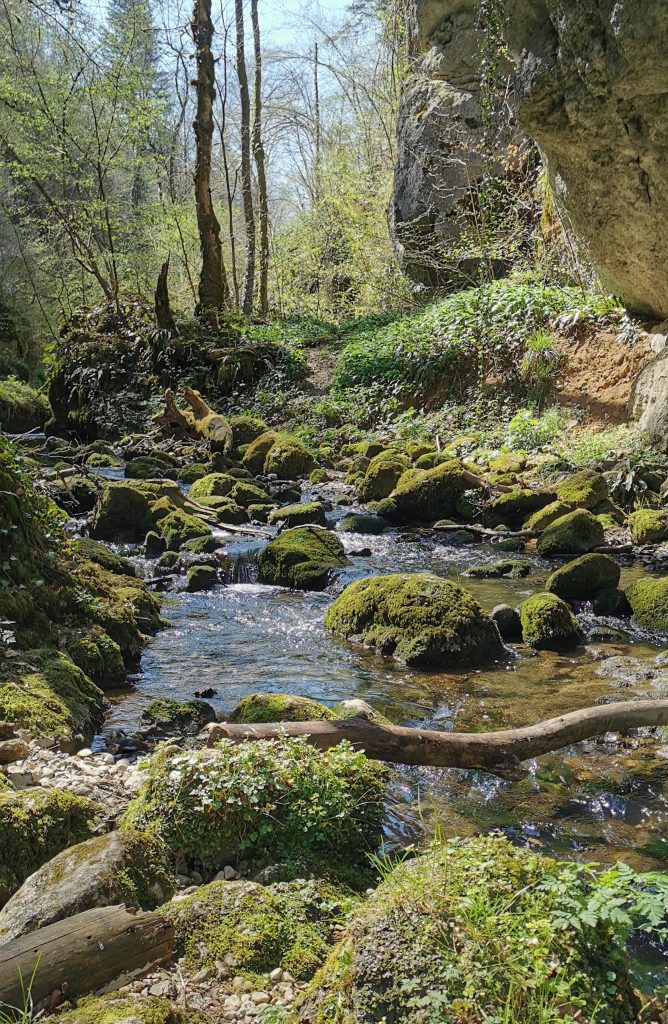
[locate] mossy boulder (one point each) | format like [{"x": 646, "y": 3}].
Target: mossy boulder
[
  {"x": 580, "y": 579},
  {"x": 245, "y": 493},
  {"x": 22, "y": 407},
  {"x": 362, "y": 522},
  {"x": 420, "y": 619},
  {"x": 129, "y": 1008},
  {"x": 508, "y": 462},
  {"x": 648, "y": 525},
  {"x": 303, "y": 558},
  {"x": 520, "y": 502},
  {"x": 548, "y": 624},
  {"x": 474, "y": 931},
  {"x": 426, "y": 495},
  {"x": 201, "y": 577},
  {"x": 575, "y": 533},
  {"x": 319, "y": 476},
  {"x": 279, "y": 707},
  {"x": 179, "y": 527},
  {"x": 289, "y": 459},
  {"x": 46, "y": 694},
  {"x": 545, "y": 516},
  {"x": 35, "y": 825},
  {"x": 255, "y": 455},
  {"x": 245, "y": 429},
  {"x": 195, "y": 471},
  {"x": 146, "y": 468},
  {"x": 299, "y": 515},
  {"x": 119, "y": 867},
  {"x": 226, "y": 511},
  {"x": 122, "y": 513},
  {"x": 255, "y": 928},
  {"x": 166, "y": 717},
  {"x": 583, "y": 490},
  {"x": 98, "y": 656},
  {"x": 212, "y": 485},
  {"x": 611, "y": 601},
  {"x": 382, "y": 475},
  {"x": 259, "y": 513},
  {"x": 649, "y": 602},
  {"x": 102, "y": 555},
  {"x": 509, "y": 568},
  {"x": 262, "y": 802},
  {"x": 76, "y": 494}
]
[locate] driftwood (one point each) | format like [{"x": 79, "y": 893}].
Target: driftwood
[
  {"x": 163, "y": 310},
  {"x": 199, "y": 419},
  {"x": 82, "y": 954},
  {"x": 485, "y": 531},
  {"x": 496, "y": 752}
]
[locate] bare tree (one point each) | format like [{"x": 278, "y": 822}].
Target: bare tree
[
  {"x": 246, "y": 176},
  {"x": 214, "y": 292},
  {"x": 258, "y": 154}
]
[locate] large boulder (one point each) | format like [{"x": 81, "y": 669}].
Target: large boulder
[
  {"x": 592, "y": 92},
  {"x": 649, "y": 602},
  {"x": 548, "y": 624},
  {"x": 583, "y": 577},
  {"x": 426, "y": 495},
  {"x": 122, "y": 513},
  {"x": 585, "y": 489},
  {"x": 576, "y": 533},
  {"x": 477, "y": 930},
  {"x": 22, "y": 407},
  {"x": 382, "y": 476},
  {"x": 303, "y": 558},
  {"x": 119, "y": 867},
  {"x": 262, "y": 802},
  {"x": 421, "y": 619},
  {"x": 648, "y": 403}
]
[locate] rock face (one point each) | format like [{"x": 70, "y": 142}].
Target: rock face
[
  {"x": 591, "y": 91},
  {"x": 440, "y": 139},
  {"x": 649, "y": 398},
  {"x": 593, "y": 94}
]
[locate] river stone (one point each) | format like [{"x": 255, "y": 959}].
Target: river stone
[
  {"x": 300, "y": 514},
  {"x": 120, "y": 867},
  {"x": 576, "y": 533},
  {"x": 507, "y": 621},
  {"x": 166, "y": 717},
  {"x": 418, "y": 618},
  {"x": 303, "y": 558},
  {"x": 583, "y": 577},
  {"x": 548, "y": 624}
]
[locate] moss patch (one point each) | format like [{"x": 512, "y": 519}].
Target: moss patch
[
  {"x": 279, "y": 707},
  {"x": 419, "y": 618},
  {"x": 212, "y": 485},
  {"x": 427, "y": 495},
  {"x": 113, "y": 1008},
  {"x": 549, "y": 624},
  {"x": 22, "y": 408},
  {"x": 649, "y": 602},
  {"x": 583, "y": 490}
]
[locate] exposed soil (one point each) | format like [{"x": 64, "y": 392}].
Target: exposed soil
[{"x": 600, "y": 374}]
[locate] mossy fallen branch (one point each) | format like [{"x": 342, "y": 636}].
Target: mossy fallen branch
[{"x": 496, "y": 752}]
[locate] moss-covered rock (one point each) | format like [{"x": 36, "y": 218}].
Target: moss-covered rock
[
  {"x": 263, "y": 802},
  {"x": 22, "y": 407},
  {"x": 583, "y": 577},
  {"x": 289, "y": 459},
  {"x": 126, "y": 1008},
  {"x": 98, "y": 656},
  {"x": 548, "y": 624},
  {"x": 420, "y": 619},
  {"x": 76, "y": 494},
  {"x": 319, "y": 476},
  {"x": 46, "y": 694},
  {"x": 474, "y": 931},
  {"x": 544, "y": 517},
  {"x": 166, "y": 717},
  {"x": 649, "y": 602},
  {"x": 201, "y": 577},
  {"x": 509, "y": 462},
  {"x": 226, "y": 510},
  {"x": 426, "y": 495},
  {"x": 245, "y": 493},
  {"x": 279, "y": 707},
  {"x": 146, "y": 468},
  {"x": 362, "y": 522},
  {"x": 303, "y": 558},
  {"x": 118, "y": 867},
  {"x": 299, "y": 515},
  {"x": 509, "y": 568},
  {"x": 212, "y": 485},
  {"x": 245, "y": 429},
  {"x": 179, "y": 527},
  {"x": 122, "y": 513},
  {"x": 648, "y": 525},
  {"x": 432, "y": 459},
  {"x": 576, "y": 533},
  {"x": 255, "y": 455},
  {"x": 611, "y": 601},
  {"x": 583, "y": 490},
  {"x": 521, "y": 502},
  {"x": 382, "y": 476},
  {"x": 255, "y": 928},
  {"x": 195, "y": 471},
  {"x": 259, "y": 513},
  {"x": 99, "y": 553},
  {"x": 35, "y": 825}
]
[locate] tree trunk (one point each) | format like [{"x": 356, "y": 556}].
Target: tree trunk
[
  {"x": 497, "y": 752},
  {"x": 258, "y": 154},
  {"x": 213, "y": 289},
  {"x": 163, "y": 310},
  {"x": 85, "y": 953},
  {"x": 246, "y": 178}
]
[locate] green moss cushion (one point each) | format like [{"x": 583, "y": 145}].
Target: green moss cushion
[
  {"x": 279, "y": 707},
  {"x": 549, "y": 624},
  {"x": 420, "y": 619},
  {"x": 583, "y": 577},
  {"x": 649, "y": 602},
  {"x": 303, "y": 558},
  {"x": 576, "y": 533}
]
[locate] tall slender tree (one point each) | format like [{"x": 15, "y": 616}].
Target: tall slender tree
[
  {"x": 246, "y": 172},
  {"x": 258, "y": 155},
  {"x": 214, "y": 292}
]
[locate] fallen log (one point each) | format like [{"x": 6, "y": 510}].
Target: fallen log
[
  {"x": 486, "y": 531},
  {"x": 84, "y": 953},
  {"x": 200, "y": 419},
  {"x": 497, "y": 752}
]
